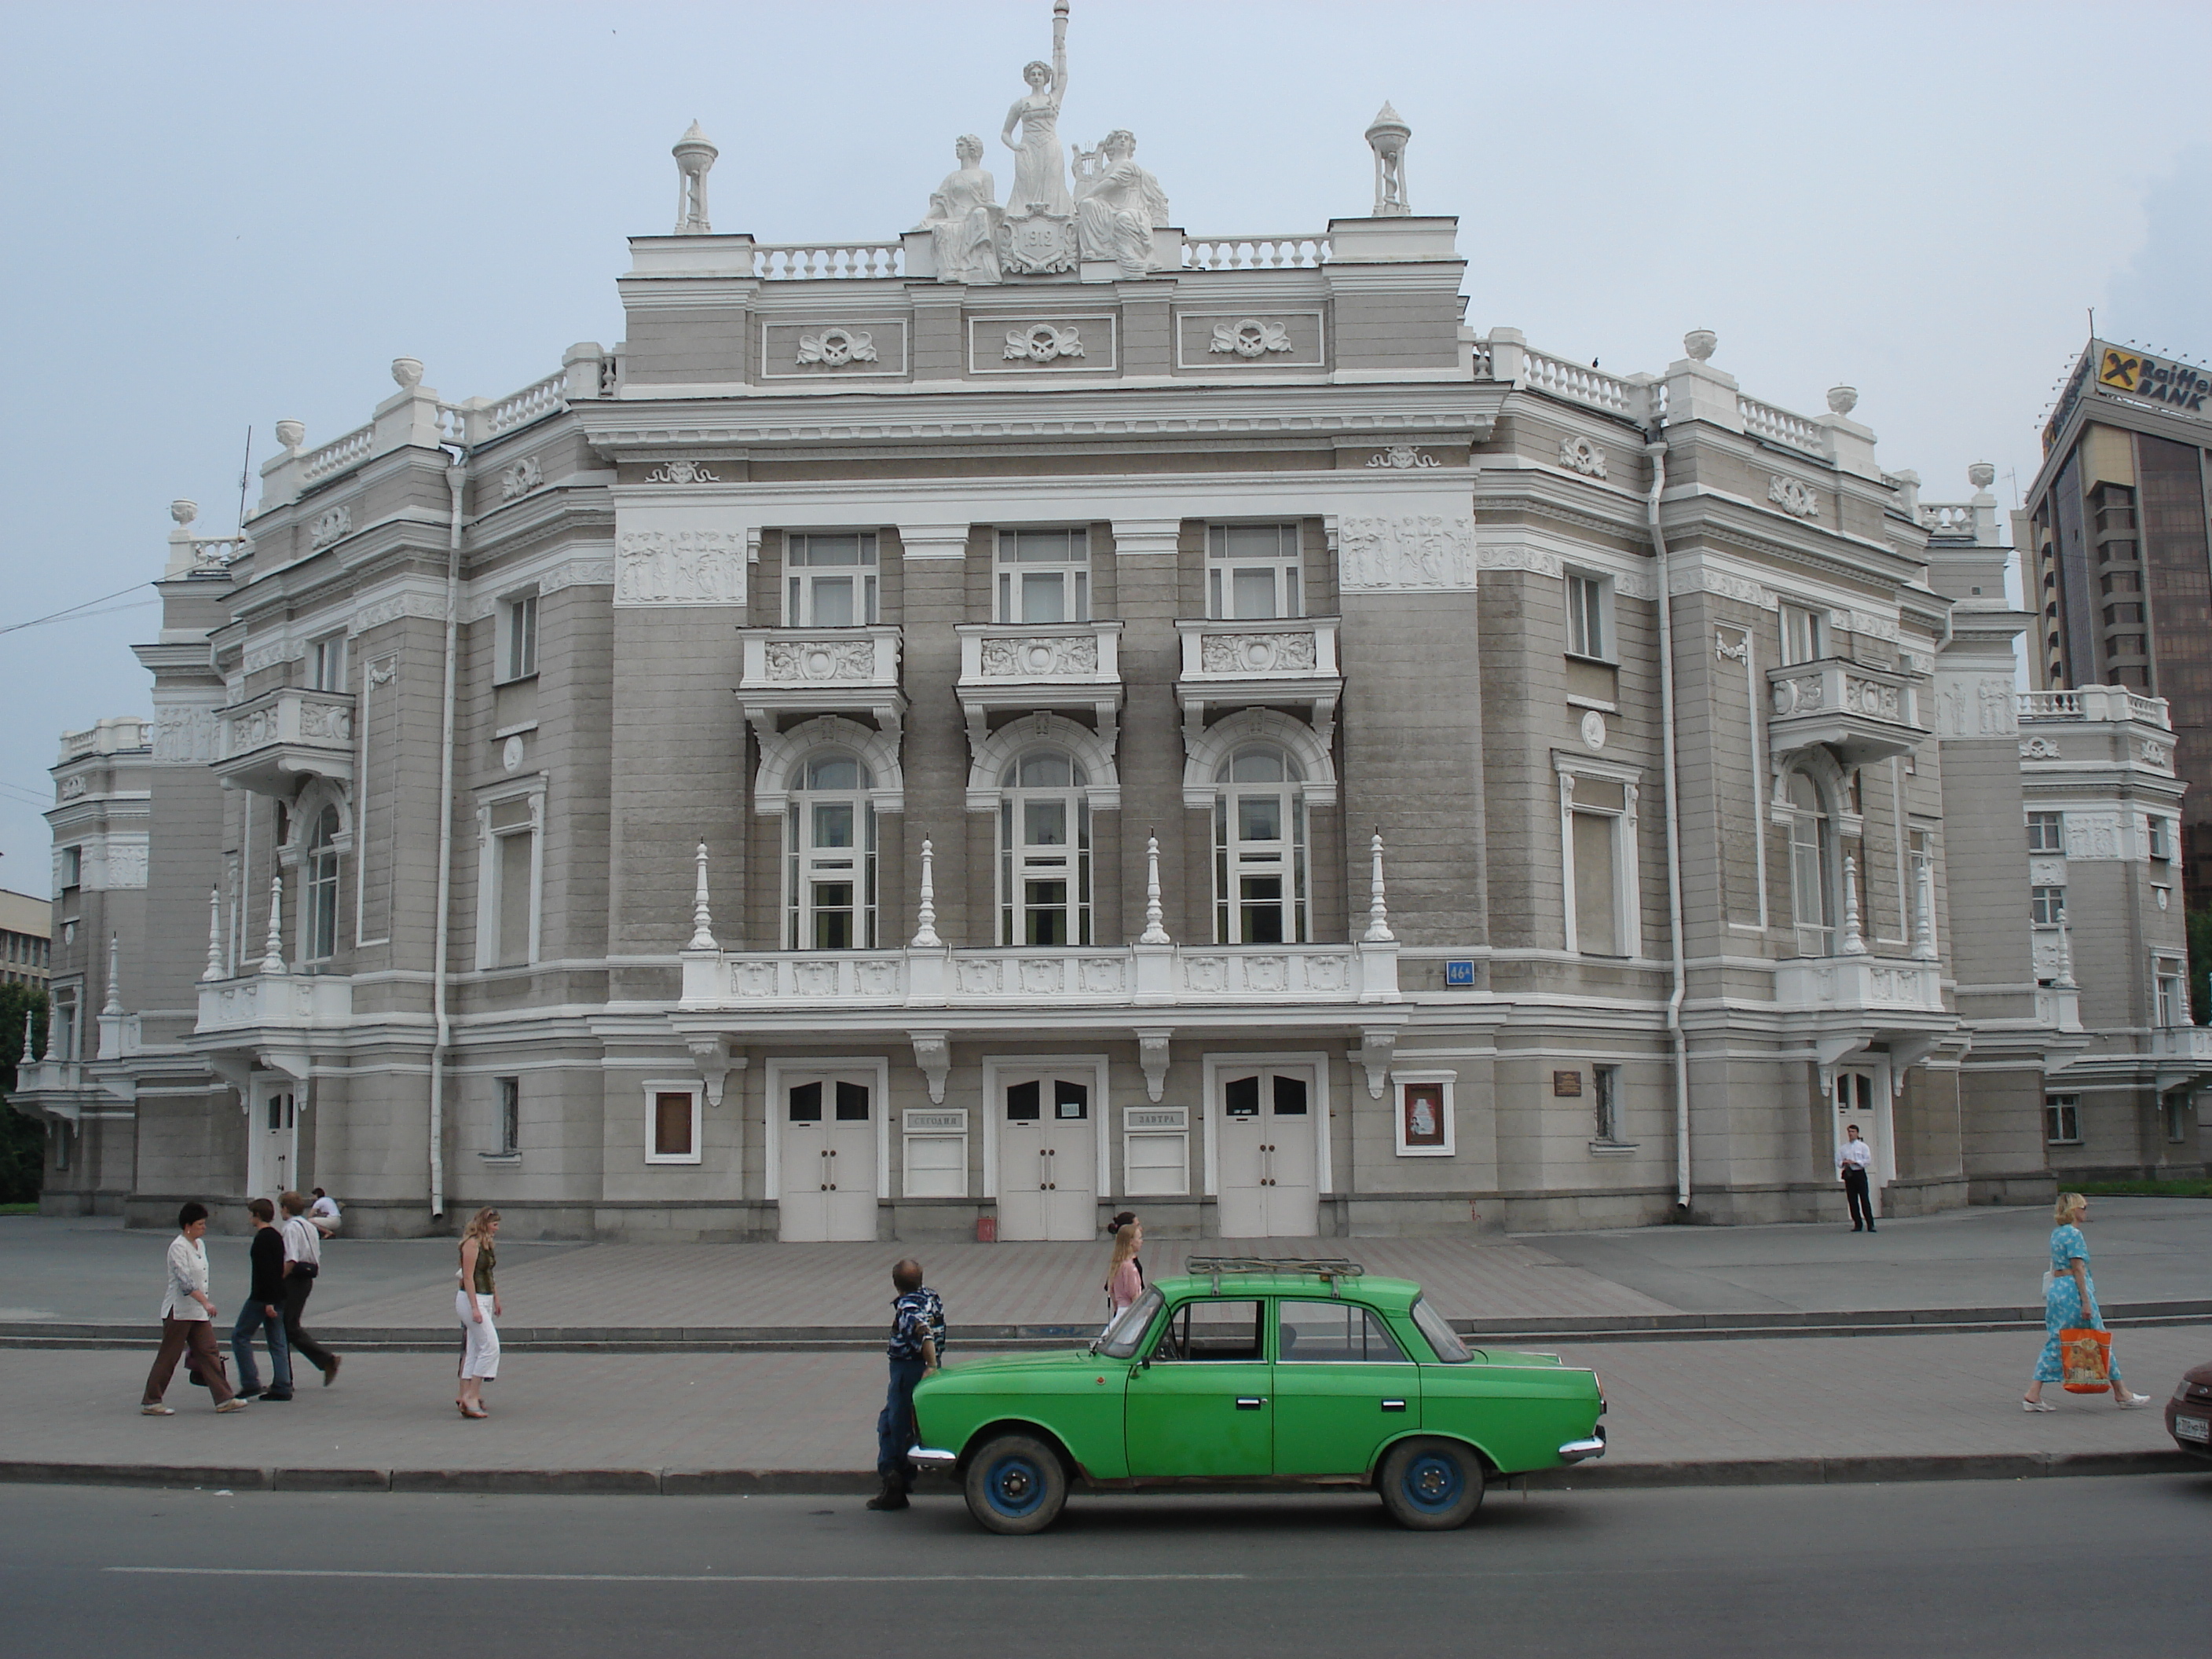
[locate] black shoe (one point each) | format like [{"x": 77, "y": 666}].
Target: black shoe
[
  {"x": 1858, "y": 1229},
  {"x": 251, "y": 1394},
  {"x": 269, "y": 1397},
  {"x": 331, "y": 1375},
  {"x": 892, "y": 1497},
  {"x": 1870, "y": 1230}
]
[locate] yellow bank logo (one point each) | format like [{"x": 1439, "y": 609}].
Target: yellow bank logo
[{"x": 2143, "y": 376}]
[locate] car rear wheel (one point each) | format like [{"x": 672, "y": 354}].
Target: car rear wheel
[
  {"x": 1430, "y": 1486},
  {"x": 1015, "y": 1484}
]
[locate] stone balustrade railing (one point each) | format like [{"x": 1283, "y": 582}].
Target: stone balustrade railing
[
  {"x": 798, "y": 262},
  {"x": 1578, "y": 384},
  {"x": 542, "y": 398},
  {"x": 1779, "y": 426},
  {"x": 2093, "y": 702},
  {"x": 220, "y": 552},
  {"x": 1254, "y": 252},
  {"x": 1947, "y": 518},
  {"x": 339, "y": 455}
]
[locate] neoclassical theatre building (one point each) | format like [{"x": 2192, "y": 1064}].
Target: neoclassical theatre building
[{"x": 1048, "y": 713}]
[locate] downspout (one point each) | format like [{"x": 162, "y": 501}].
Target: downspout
[
  {"x": 1656, "y": 449},
  {"x": 456, "y": 477}
]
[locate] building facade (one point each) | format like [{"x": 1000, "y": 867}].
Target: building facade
[
  {"x": 26, "y": 928},
  {"x": 1050, "y": 713}
]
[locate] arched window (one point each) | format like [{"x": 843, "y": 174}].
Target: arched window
[
  {"x": 1044, "y": 850},
  {"x": 1260, "y": 848},
  {"x": 830, "y": 856},
  {"x": 319, "y": 911},
  {"x": 1812, "y": 867}
]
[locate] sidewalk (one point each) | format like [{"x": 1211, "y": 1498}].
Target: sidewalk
[{"x": 1807, "y": 1409}]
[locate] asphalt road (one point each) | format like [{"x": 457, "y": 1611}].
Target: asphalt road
[{"x": 2116, "y": 1567}]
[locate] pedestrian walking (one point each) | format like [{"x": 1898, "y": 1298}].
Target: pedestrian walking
[
  {"x": 1853, "y": 1159},
  {"x": 2069, "y": 1304},
  {"x": 917, "y": 1348},
  {"x": 303, "y": 1264},
  {"x": 188, "y": 1317},
  {"x": 476, "y": 1304},
  {"x": 1125, "y": 1273},
  {"x": 263, "y": 1310}
]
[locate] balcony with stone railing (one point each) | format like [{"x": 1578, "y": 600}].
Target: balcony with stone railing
[
  {"x": 267, "y": 743},
  {"x": 1862, "y": 713},
  {"x": 1235, "y": 664},
  {"x": 302, "y": 1003},
  {"x": 820, "y": 671},
  {"x": 1861, "y": 986},
  {"x": 1025, "y": 666},
  {"x": 2105, "y": 724}
]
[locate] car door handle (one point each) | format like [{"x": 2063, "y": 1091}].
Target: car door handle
[
  {"x": 1394, "y": 1404},
  {"x": 1249, "y": 1403}
]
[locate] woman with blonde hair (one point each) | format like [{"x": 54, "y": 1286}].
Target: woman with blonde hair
[
  {"x": 2069, "y": 1302},
  {"x": 1125, "y": 1273},
  {"x": 479, "y": 1286}
]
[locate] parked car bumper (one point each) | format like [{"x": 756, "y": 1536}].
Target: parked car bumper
[
  {"x": 928, "y": 1457},
  {"x": 1582, "y": 1451}
]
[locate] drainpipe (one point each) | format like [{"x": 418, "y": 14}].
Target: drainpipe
[
  {"x": 1656, "y": 449},
  {"x": 456, "y": 477}
]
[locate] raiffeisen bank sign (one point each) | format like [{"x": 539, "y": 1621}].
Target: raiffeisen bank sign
[{"x": 2138, "y": 374}]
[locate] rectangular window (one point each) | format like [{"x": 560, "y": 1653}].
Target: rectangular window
[
  {"x": 2046, "y": 832},
  {"x": 1333, "y": 1334},
  {"x": 1213, "y": 1331},
  {"x": 829, "y": 582},
  {"x": 72, "y": 867},
  {"x": 63, "y": 1044},
  {"x": 1597, "y": 884},
  {"x": 2172, "y": 992},
  {"x": 2062, "y": 1120},
  {"x": 2161, "y": 837},
  {"x": 1605, "y": 1103},
  {"x": 507, "y": 1138},
  {"x": 509, "y": 872},
  {"x": 1804, "y": 634},
  {"x": 1252, "y": 572},
  {"x": 518, "y": 638},
  {"x": 327, "y": 663},
  {"x": 1589, "y": 619},
  {"x": 1044, "y": 576},
  {"x": 671, "y": 1124},
  {"x": 2046, "y": 906}
]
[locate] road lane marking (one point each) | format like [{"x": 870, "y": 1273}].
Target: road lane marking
[{"x": 697, "y": 1578}]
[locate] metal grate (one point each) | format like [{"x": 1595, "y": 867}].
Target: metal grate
[{"x": 1218, "y": 1265}]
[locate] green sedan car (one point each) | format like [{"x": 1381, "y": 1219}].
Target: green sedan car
[{"x": 1252, "y": 1373}]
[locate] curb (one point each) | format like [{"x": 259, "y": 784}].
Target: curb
[{"x": 761, "y": 1483}]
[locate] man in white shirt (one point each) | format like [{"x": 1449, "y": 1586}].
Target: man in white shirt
[
  {"x": 323, "y": 1212},
  {"x": 1853, "y": 1159},
  {"x": 303, "y": 1261}
]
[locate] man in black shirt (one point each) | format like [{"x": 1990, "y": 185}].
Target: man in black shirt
[{"x": 264, "y": 1309}]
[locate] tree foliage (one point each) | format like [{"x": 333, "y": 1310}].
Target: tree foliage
[
  {"x": 22, "y": 1139},
  {"x": 2200, "y": 966}
]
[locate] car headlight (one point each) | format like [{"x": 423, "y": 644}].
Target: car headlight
[{"x": 2181, "y": 1391}]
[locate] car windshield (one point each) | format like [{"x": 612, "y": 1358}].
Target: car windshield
[
  {"x": 1123, "y": 1334},
  {"x": 1444, "y": 1339}
]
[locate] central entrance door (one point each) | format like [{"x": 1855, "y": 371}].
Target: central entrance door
[
  {"x": 272, "y": 1153},
  {"x": 1860, "y": 1097},
  {"x": 828, "y": 1188},
  {"x": 1047, "y": 1154},
  {"x": 1268, "y": 1116}
]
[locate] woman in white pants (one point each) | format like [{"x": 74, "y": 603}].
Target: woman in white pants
[{"x": 476, "y": 1304}]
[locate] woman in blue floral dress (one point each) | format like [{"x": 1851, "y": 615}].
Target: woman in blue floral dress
[{"x": 2069, "y": 1304}]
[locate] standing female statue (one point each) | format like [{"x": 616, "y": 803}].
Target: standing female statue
[{"x": 1040, "y": 176}]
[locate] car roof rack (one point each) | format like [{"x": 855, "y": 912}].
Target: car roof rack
[{"x": 1214, "y": 1266}]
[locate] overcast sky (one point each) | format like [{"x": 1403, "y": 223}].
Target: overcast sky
[{"x": 216, "y": 216}]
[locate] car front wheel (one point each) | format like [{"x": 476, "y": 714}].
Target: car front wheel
[
  {"x": 1430, "y": 1486},
  {"x": 1015, "y": 1484}
]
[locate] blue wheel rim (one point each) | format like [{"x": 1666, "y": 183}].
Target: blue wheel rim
[
  {"x": 1433, "y": 1482},
  {"x": 1014, "y": 1487}
]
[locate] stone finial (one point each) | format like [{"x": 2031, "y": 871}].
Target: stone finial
[
  {"x": 1923, "y": 914},
  {"x": 113, "y": 1008},
  {"x": 694, "y": 154},
  {"x": 1842, "y": 400},
  {"x": 213, "y": 968},
  {"x": 702, "y": 920},
  {"x": 291, "y": 434},
  {"x": 1155, "y": 930},
  {"x": 2065, "y": 980},
  {"x": 1378, "y": 912},
  {"x": 272, "y": 950},
  {"x": 1698, "y": 344},
  {"x": 407, "y": 371},
  {"x": 1386, "y": 134},
  {"x": 26, "y": 1059},
  {"x": 1981, "y": 475},
  {"x": 1854, "y": 941},
  {"x": 184, "y": 511},
  {"x": 925, "y": 911}
]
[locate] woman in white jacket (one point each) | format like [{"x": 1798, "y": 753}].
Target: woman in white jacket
[{"x": 188, "y": 1322}]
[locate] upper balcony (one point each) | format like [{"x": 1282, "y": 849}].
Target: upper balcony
[
  {"x": 1862, "y": 713},
  {"x": 821, "y": 671},
  {"x": 2106, "y": 724},
  {"x": 268, "y": 743},
  {"x": 1024, "y": 666},
  {"x": 1292, "y": 660},
  {"x": 275, "y": 1005},
  {"x": 1859, "y": 986}
]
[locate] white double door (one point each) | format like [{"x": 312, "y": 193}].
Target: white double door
[
  {"x": 826, "y": 1156},
  {"x": 272, "y": 1141},
  {"x": 1861, "y": 1096},
  {"x": 1266, "y": 1120},
  {"x": 1048, "y": 1153}
]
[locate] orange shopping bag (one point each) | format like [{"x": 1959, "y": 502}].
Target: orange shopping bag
[{"x": 2086, "y": 1356}]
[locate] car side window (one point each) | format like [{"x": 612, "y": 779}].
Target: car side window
[
  {"x": 1333, "y": 1332},
  {"x": 1211, "y": 1330}
]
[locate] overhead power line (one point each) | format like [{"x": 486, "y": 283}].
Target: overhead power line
[{"x": 71, "y": 613}]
